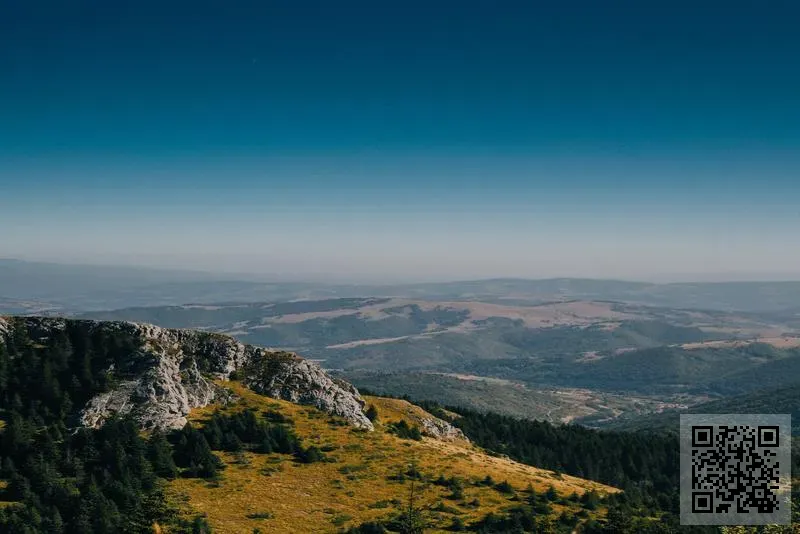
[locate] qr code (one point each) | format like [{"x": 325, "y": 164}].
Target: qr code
[{"x": 735, "y": 469}]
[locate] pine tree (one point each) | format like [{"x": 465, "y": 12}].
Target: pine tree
[
  {"x": 412, "y": 521},
  {"x": 617, "y": 520},
  {"x": 54, "y": 522},
  {"x": 201, "y": 526},
  {"x": 194, "y": 453},
  {"x": 5, "y": 369},
  {"x": 159, "y": 452}
]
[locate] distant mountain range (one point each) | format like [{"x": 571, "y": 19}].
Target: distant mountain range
[{"x": 49, "y": 286}]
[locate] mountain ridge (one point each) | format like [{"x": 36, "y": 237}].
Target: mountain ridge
[
  {"x": 169, "y": 372},
  {"x": 80, "y": 288}
]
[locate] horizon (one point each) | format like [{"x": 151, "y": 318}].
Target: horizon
[
  {"x": 370, "y": 142},
  {"x": 323, "y": 279}
]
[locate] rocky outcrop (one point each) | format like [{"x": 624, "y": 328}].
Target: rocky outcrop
[
  {"x": 442, "y": 430},
  {"x": 168, "y": 372},
  {"x": 294, "y": 379}
]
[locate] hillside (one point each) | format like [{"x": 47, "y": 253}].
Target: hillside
[
  {"x": 235, "y": 438},
  {"x": 367, "y": 476}
]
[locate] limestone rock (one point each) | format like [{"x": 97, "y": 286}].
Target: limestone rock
[
  {"x": 172, "y": 371},
  {"x": 442, "y": 430},
  {"x": 300, "y": 381}
]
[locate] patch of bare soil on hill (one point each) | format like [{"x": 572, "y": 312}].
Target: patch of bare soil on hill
[
  {"x": 301, "y": 317},
  {"x": 360, "y": 342},
  {"x": 783, "y": 342}
]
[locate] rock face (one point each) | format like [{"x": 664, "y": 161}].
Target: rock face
[
  {"x": 442, "y": 430},
  {"x": 173, "y": 371},
  {"x": 296, "y": 380}
]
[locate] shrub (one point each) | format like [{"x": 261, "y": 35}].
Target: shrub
[{"x": 403, "y": 430}]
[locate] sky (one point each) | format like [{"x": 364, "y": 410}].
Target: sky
[{"x": 434, "y": 140}]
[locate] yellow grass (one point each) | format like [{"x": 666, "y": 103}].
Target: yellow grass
[{"x": 325, "y": 497}]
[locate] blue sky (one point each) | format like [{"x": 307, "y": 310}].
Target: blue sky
[{"x": 404, "y": 139}]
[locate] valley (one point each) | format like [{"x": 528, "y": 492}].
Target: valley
[{"x": 589, "y": 362}]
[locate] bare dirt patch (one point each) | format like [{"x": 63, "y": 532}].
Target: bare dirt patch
[
  {"x": 301, "y": 317},
  {"x": 589, "y": 356},
  {"x": 376, "y": 341},
  {"x": 784, "y": 342}
]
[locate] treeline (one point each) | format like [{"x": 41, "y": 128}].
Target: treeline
[
  {"x": 630, "y": 461},
  {"x": 58, "y": 478}
]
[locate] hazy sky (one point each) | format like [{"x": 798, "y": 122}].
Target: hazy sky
[{"x": 404, "y": 140}]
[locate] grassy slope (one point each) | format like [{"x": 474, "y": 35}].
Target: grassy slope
[{"x": 322, "y": 497}]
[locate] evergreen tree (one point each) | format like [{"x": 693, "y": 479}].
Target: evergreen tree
[
  {"x": 159, "y": 452},
  {"x": 193, "y": 453}
]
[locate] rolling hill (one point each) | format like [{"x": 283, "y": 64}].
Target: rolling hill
[{"x": 587, "y": 361}]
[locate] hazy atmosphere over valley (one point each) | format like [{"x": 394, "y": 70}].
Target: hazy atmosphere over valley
[{"x": 360, "y": 267}]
